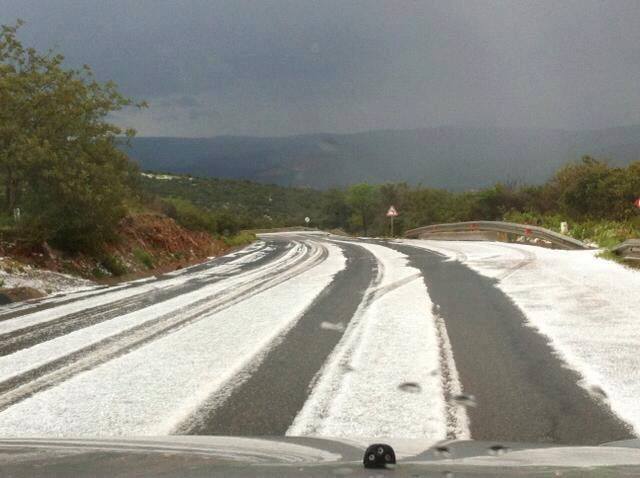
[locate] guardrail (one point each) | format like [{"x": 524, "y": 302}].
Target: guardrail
[
  {"x": 494, "y": 231},
  {"x": 629, "y": 250}
]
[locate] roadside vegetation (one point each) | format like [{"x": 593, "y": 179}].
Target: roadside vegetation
[
  {"x": 235, "y": 205},
  {"x": 595, "y": 199},
  {"x": 67, "y": 189}
]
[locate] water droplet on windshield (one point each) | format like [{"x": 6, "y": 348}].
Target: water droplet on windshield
[
  {"x": 410, "y": 387},
  {"x": 598, "y": 392},
  {"x": 443, "y": 451},
  {"x": 332, "y": 326},
  {"x": 347, "y": 368},
  {"x": 465, "y": 400},
  {"x": 498, "y": 450}
]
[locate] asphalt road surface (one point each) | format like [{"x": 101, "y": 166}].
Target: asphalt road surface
[{"x": 300, "y": 334}]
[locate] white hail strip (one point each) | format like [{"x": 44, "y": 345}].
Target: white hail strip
[
  {"x": 118, "y": 293},
  {"x": 390, "y": 341},
  {"x": 588, "y": 307},
  {"x": 246, "y": 254},
  {"x": 154, "y": 388},
  {"x": 458, "y": 420},
  {"x": 45, "y": 352}
]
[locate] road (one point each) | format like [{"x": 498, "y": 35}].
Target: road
[{"x": 317, "y": 335}]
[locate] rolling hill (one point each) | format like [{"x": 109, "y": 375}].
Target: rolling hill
[{"x": 451, "y": 157}]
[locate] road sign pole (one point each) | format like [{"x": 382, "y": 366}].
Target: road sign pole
[{"x": 391, "y": 214}]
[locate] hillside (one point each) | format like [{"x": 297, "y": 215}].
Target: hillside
[
  {"x": 146, "y": 242},
  {"x": 450, "y": 157},
  {"x": 248, "y": 204}
]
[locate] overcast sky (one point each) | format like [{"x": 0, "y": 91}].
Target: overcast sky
[{"x": 277, "y": 67}]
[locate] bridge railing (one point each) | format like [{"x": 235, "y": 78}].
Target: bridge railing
[{"x": 494, "y": 230}]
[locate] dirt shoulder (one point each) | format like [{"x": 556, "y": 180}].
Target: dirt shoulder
[{"x": 149, "y": 244}]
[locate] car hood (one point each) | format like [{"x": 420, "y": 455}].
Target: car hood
[{"x": 302, "y": 456}]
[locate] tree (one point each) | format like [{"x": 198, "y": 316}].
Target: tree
[
  {"x": 590, "y": 189},
  {"x": 492, "y": 203},
  {"x": 335, "y": 210},
  {"x": 54, "y": 132},
  {"x": 363, "y": 199}
]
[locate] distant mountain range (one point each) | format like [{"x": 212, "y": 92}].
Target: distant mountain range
[{"x": 451, "y": 157}]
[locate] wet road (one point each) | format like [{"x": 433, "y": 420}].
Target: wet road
[
  {"x": 298, "y": 334},
  {"x": 523, "y": 391}
]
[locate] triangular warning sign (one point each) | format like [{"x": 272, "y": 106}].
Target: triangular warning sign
[{"x": 392, "y": 212}]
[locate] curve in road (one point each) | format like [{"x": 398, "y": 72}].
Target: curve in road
[
  {"x": 523, "y": 391},
  {"x": 260, "y": 343}
]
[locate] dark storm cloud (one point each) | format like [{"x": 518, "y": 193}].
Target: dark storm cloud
[{"x": 279, "y": 67}]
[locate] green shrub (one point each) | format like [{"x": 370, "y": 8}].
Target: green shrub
[
  {"x": 240, "y": 239},
  {"x": 144, "y": 258},
  {"x": 604, "y": 233},
  {"x": 99, "y": 272},
  {"x": 549, "y": 221},
  {"x": 114, "y": 265},
  {"x": 7, "y": 222},
  {"x": 227, "y": 223},
  {"x": 191, "y": 216}
]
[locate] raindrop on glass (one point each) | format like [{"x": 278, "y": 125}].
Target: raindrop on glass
[
  {"x": 443, "y": 451},
  {"x": 465, "y": 400},
  {"x": 498, "y": 450},
  {"x": 598, "y": 392},
  {"x": 332, "y": 326},
  {"x": 410, "y": 387},
  {"x": 347, "y": 368}
]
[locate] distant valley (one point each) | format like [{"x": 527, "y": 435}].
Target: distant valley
[{"x": 450, "y": 157}]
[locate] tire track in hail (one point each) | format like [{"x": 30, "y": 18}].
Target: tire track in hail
[
  {"x": 264, "y": 398},
  {"x": 29, "y": 336},
  {"x": 20, "y": 310},
  {"x": 456, "y": 416},
  {"x": 527, "y": 256},
  {"x": 40, "y": 378}
]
